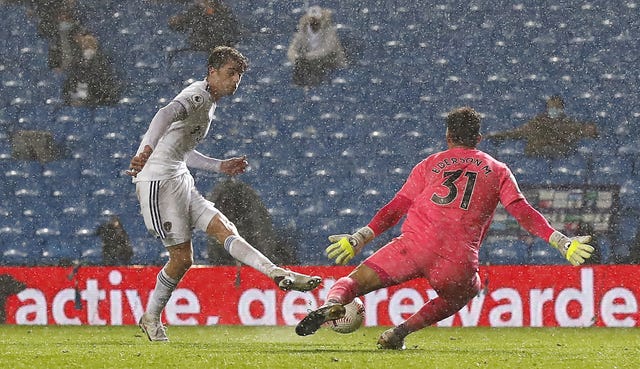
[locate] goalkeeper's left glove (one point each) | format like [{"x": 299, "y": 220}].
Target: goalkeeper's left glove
[
  {"x": 574, "y": 249},
  {"x": 345, "y": 246}
]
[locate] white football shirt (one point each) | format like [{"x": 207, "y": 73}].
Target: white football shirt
[{"x": 182, "y": 136}]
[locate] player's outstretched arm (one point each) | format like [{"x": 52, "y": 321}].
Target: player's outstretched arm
[
  {"x": 234, "y": 166},
  {"x": 346, "y": 246},
  {"x": 575, "y": 249}
]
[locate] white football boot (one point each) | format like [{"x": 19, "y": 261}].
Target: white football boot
[
  {"x": 153, "y": 328},
  {"x": 288, "y": 280}
]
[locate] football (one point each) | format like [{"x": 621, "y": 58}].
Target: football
[{"x": 352, "y": 319}]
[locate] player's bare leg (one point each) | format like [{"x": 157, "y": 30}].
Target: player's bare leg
[
  {"x": 180, "y": 260},
  {"x": 226, "y": 233}
]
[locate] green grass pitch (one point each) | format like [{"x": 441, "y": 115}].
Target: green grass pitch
[{"x": 279, "y": 347}]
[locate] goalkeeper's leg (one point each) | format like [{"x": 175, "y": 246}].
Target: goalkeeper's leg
[
  {"x": 361, "y": 281},
  {"x": 386, "y": 267},
  {"x": 453, "y": 291},
  {"x": 312, "y": 322},
  {"x": 371, "y": 275}
]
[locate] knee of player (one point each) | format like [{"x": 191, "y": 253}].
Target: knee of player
[
  {"x": 181, "y": 258},
  {"x": 184, "y": 262},
  {"x": 466, "y": 294},
  {"x": 221, "y": 229},
  {"x": 458, "y": 294}
]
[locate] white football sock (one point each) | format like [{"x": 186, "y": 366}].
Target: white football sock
[
  {"x": 161, "y": 294},
  {"x": 240, "y": 249}
]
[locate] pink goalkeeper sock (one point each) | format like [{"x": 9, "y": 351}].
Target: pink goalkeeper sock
[{"x": 344, "y": 291}]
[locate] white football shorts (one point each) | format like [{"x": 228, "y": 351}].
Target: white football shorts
[{"x": 172, "y": 208}]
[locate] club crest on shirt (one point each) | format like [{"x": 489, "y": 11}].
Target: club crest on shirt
[
  {"x": 195, "y": 101},
  {"x": 167, "y": 226}
]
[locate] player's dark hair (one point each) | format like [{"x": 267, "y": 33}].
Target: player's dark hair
[
  {"x": 220, "y": 55},
  {"x": 463, "y": 126}
]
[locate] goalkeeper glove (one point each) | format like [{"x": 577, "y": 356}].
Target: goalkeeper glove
[
  {"x": 345, "y": 246},
  {"x": 574, "y": 249}
]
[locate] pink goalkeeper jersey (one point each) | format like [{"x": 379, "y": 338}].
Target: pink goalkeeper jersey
[{"x": 454, "y": 195}]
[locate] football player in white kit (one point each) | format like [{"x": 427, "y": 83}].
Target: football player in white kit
[{"x": 170, "y": 203}]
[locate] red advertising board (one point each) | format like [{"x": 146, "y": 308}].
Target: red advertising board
[{"x": 512, "y": 296}]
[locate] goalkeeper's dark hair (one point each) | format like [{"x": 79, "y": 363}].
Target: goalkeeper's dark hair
[
  {"x": 220, "y": 55},
  {"x": 463, "y": 126}
]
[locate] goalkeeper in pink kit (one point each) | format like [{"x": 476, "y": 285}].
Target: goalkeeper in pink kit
[{"x": 449, "y": 200}]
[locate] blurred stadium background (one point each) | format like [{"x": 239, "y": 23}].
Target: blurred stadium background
[{"x": 325, "y": 159}]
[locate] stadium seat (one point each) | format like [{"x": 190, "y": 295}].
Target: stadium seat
[
  {"x": 604, "y": 248},
  {"x": 630, "y": 195},
  {"x": 626, "y": 226},
  {"x": 200, "y": 242},
  {"x": 25, "y": 169},
  {"x": 146, "y": 250},
  {"x": 58, "y": 175},
  {"x": 483, "y": 253},
  {"x": 505, "y": 252},
  {"x": 571, "y": 171},
  {"x": 53, "y": 243},
  {"x": 60, "y": 250},
  {"x": 313, "y": 233},
  {"x": 529, "y": 170},
  {"x": 13, "y": 256},
  {"x": 91, "y": 256},
  {"x": 500, "y": 253},
  {"x": 185, "y": 63},
  {"x": 22, "y": 251},
  {"x": 543, "y": 254},
  {"x": 610, "y": 170},
  {"x": 89, "y": 248},
  {"x": 29, "y": 196}
]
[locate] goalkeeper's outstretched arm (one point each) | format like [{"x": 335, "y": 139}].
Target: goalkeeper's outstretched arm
[
  {"x": 345, "y": 246},
  {"x": 575, "y": 249}
]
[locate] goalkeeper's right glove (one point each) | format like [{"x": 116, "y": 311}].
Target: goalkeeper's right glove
[
  {"x": 345, "y": 246},
  {"x": 574, "y": 249}
]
